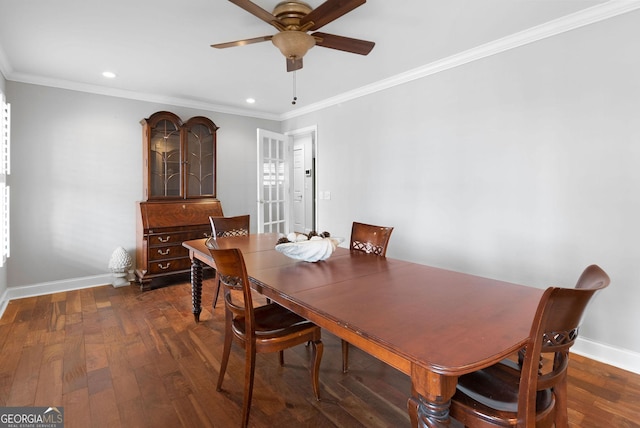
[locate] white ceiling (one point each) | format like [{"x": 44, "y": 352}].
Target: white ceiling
[{"x": 160, "y": 49}]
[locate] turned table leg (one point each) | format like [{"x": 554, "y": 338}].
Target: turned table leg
[
  {"x": 431, "y": 396},
  {"x": 196, "y": 288}
]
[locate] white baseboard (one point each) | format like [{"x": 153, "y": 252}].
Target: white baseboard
[
  {"x": 4, "y": 301},
  {"x": 51, "y": 287},
  {"x": 618, "y": 357}
]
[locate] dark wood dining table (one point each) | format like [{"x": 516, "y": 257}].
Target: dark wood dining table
[{"x": 432, "y": 324}]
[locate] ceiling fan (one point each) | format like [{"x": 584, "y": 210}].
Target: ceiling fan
[{"x": 293, "y": 20}]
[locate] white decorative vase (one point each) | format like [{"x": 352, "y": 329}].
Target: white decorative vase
[{"x": 119, "y": 265}]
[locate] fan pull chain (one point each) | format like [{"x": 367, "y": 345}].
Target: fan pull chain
[{"x": 295, "y": 98}]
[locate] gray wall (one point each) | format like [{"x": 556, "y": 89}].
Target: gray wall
[
  {"x": 77, "y": 172},
  {"x": 524, "y": 166}
]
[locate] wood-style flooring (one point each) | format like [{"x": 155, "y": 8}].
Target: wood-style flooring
[{"x": 124, "y": 358}]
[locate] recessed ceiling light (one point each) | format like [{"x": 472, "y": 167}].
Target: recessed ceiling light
[
  {"x": 251, "y": 100},
  {"x": 109, "y": 74}
]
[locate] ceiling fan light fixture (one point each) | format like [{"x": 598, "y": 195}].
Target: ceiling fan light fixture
[{"x": 293, "y": 44}]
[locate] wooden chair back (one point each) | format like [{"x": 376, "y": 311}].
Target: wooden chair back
[
  {"x": 369, "y": 238},
  {"x": 555, "y": 330},
  {"x": 592, "y": 277},
  {"x": 232, "y": 274},
  {"x": 262, "y": 329},
  {"x": 230, "y": 226}
]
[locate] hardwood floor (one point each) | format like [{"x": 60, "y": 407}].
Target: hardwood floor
[{"x": 120, "y": 357}]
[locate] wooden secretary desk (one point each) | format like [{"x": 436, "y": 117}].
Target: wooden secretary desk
[{"x": 179, "y": 188}]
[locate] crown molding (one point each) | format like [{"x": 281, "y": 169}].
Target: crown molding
[
  {"x": 570, "y": 22},
  {"x": 138, "y": 96}
]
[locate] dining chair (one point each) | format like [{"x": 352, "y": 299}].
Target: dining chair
[
  {"x": 228, "y": 226},
  {"x": 369, "y": 238},
  {"x": 534, "y": 393},
  {"x": 591, "y": 275},
  {"x": 268, "y": 328},
  {"x": 372, "y": 240}
]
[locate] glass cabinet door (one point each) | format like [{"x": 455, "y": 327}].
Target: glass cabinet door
[
  {"x": 200, "y": 158},
  {"x": 180, "y": 158},
  {"x": 165, "y": 160}
]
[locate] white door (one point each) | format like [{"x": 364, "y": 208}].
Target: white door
[
  {"x": 273, "y": 182},
  {"x": 304, "y": 178},
  {"x": 298, "y": 202}
]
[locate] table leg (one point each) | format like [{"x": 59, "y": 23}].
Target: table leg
[
  {"x": 431, "y": 396},
  {"x": 196, "y": 288}
]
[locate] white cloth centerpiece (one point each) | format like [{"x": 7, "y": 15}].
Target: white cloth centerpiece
[{"x": 310, "y": 250}]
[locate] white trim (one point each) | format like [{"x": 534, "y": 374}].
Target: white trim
[
  {"x": 5, "y": 138},
  {"x": 5, "y": 170},
  {"x": 51, "y": 287},
  {"x": 139, "y": 96},
  {"x": 557, "y": 26},
  {"x": 4, "y": 301},
  {"x": 618, "y": 357},
  {"x": 561, "y": 25}
]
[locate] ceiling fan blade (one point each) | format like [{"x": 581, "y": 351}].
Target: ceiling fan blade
[
  {"x": 294, "y": 64},
  {"x": 341, "y": 43},
  {"x": 256, "y": 10},
  {"x": 241, "y": 42},
  {"x": 329, "y": 11}
]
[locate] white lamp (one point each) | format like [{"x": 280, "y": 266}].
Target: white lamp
[{"x": 119, "y": 264}]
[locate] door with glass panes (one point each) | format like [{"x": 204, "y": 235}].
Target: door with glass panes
[{"x": 273, "y": 181}]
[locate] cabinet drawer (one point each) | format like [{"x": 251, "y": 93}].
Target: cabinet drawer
[
  {"x": 167, "y": 252},
  {"x": 166, "y": 266},
  {"x": 163, "y": 239}
]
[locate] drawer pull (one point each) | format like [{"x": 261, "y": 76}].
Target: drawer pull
[
  {"x": 165, "y": 252},
  {"x": 206, "y": 235},
  {"x": 165, "y": 239},
  {"x": 161, "y": 266}
]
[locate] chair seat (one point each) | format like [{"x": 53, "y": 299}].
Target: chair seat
[
  {"x": 273, "y": 320},
  {"x": 496, "y": 387}
]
